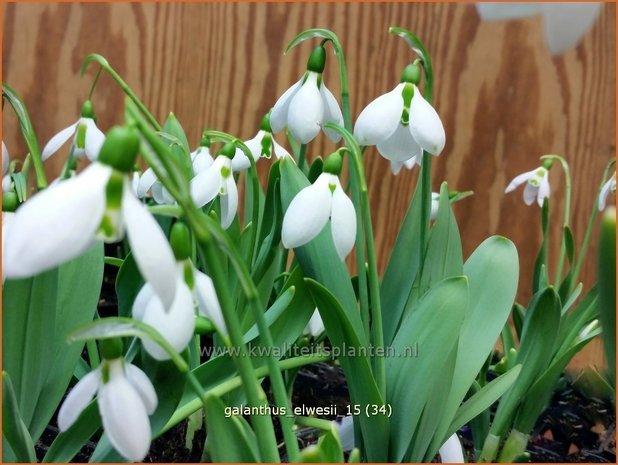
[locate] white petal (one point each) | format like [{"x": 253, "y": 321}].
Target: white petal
[
  {"x": 176, "y": 325},
  {"x": 229, "y": 203},
  {"x": 201, "y": 159},
  {"x": 315, "y": 326},
  {"x": 207, "y": 184},
  {"x": 400, "y": 146},
  {"x": 605, "y": 190},
  {"x": 207, "y": 300},
  {"x": 306, "y": 111},
  {"x": 425, "y": 125},
  {"x": 379, "y": 120},
  {"x": 145, "y": 182},
  {"x": 346, "y": 432},
  {"x": 141, "y": 301},
  {"x": 280, "y": 152},
  {"x": 435, "y": 204},
  {"x": 530, "y": 193},
  {"x": 240, "y": 161},
  {"x": 77, "y": 400},
  {"x": 307, "y": 214},
  {"x": 124, "y": 416},
  {"x": 396, "y": 166},
  {"x": 7, "y": 181},
  {"x": 543, "y": 190},
  {"x": 451, "y": 451},
  {"x": 7, "y": 220},
  {"x": 519, "y": 180},
  {"x": 135, "y": 177},
  {"x": 332, "y": 113},
  {"x": 94, "y": 139},
  {"x": 343, "y": 222},
  {"x": 279, "y": 113},
  {"x": 57, "y": 224},
  {"x": 157, "y": 193},
  {"x": 151, "y": 251},
  {"x": 497, "y": 11},
  {"x": 58, "y": 140},
  {"x": 143, "y": 386},
  {"x": 566, "y": 23},
  {"x": 5, "y": 159}
]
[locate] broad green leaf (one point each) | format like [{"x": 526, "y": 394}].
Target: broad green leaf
[
  {"x": 13, "y": 427},
  {"x": 572, "y": 323},
  {"x": 434, "y": 329},
  {"x": 519, "y": 315},
  {"x": 361, "y": 383},
  {"x": 492, "y": 271},
  {"x": 330, "y": 446},
  {"x": 607, "y": 287},
  {"x": 228, "y": 441},
  {"x": 76, "y": 305},
  {"x": 129, "y": 281},
  {"x": 272, "y": 314}
]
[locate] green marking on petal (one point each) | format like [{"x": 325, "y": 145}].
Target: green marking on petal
[
  {"x": 266, "y": 146},
  {"x": 187, "y": 269},
  {"x": 225, "y": 172},
  {"x": 332, "y": 187}
]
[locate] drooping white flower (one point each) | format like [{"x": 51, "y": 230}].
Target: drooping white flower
[
  {"x": 201, "y": 159},
  {"x": 87, "y": 140},
  {"x": 6, "y": 178},
  {"x": 262, "y": 145},
  {"x": 63, "y": 221},
  {"x": 218, "y": 179},
  {"x": 310, "y": 210},
  {"x": 306, "y": 106},
  {"x": 315, "y": 325},
  {"x": 207, "y": 301},
  {"x": 537, "y": 185},
  {"x": 609, "y": 186},
  {"x": 125, "y": 397},
  {"x": 148, "y": 182},
  {"x": 451, "y": 451},
  {"x": 401, "y": 123},
  {"x": 564, "y": 23}
]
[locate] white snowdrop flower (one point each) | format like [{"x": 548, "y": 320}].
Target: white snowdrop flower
[
  {"x": 315, "y": 325},
  {"x": 87, "y": 140},
  {"x": 306, "y": 106},
  {"x": 148, "y": 181},
  {"x": 6, "y": 178},
  {"x": 345, "y": 428},
  {"x": 609, "y": 186},
  {"x": 451, "y": 451},
  {"x": 218, "y": 179},
  {"x": 262, "y": 145},
  {"x": 201, "y": 159},
  {"x": 401, "y": 123},
  {"x": 310, "y": 210},
  {"x": 207, "y": 301},
  {"x": 537, "y": 185},
  {"x": 125, "y": 397},
  {"x": 62, "y": 222},
  {"x": 564, "y": 23}
]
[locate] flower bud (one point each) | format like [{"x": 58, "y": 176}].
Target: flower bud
[
  {"x": 411, "y": 74},
  {"x": 180, "y": 240},
  {"x": 120, "y": 148},
  {"x": 87, "y": 110},
  {"x": 333, "y": 164},
  {"x": 317, "y": 60},
  {"x": 228, "y": 150},
  {"x": 111, "y": 348}
]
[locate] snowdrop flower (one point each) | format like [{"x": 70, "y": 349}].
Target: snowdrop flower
[
  {"x": 6, "y": 178},
  {"x": 564, "y": 24},
  {"x": 125, "y": 397},
  {"x": 401, "y": 123},
  {"x": 148, "y": 181},
  {"x": 609, "y": 186},
  {"x": 451, "y": 451},
  {"x": 62, "y": 222},
  {"x": 87, "y": 141},
  {"x": 218, "y": 179},
  {"x": 306, "y": 106},
  {"x": 537, "y": 185},
  {"x": 262, "y": 145},
  {"x": 315, "y": 326},
  {"x": 201, "y": 159},
  {"x": 313, "y": 206}
]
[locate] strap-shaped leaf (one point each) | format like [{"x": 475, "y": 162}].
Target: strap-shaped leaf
[{"x": 13, "y": 427}]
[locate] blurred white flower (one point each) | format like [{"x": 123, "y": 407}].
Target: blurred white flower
[
  {"x": 6, "y": 178},
  {"x": 537, "y": 185},
  {"x": 306, "y": 106},
  {"x": 451, "y": 451},
  {"x": 262, "y": 145},
  {"x": 564, "y": 23},
  {"x": 310, "y": 211},
  {"x": 609, "y": 186},
  {"x": 207, "y": 301},
  {"x": 148, "y": 182},
  {"x": 401, "y": 124},
  {"x": 315, "y": 325},
  {"x": 125, "y": 397},
  {"x": 201, "y": 159},
  {"x": 87, "y": 140}
]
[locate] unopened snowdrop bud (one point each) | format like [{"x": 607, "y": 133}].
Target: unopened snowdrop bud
[
  {"x": 537, "y": 185},
  {"x": 125, "y": 397},
  {"x": 87, "y": 140},
  {"x": 218, "y": 179},
  {"x": 261, "y": 146},
  {"x": 120, "y": 148},
  {"x": 306, "y": 106},
  {"x": 315, "y": 326},
  {"x": 180, "y": 239},
  {"x": 314, "y": 205},
  {"x": 609, "y": 186}
]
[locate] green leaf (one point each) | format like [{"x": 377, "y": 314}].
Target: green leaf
[
  {"x": 586, "y": 311},
  {"x": 519, "y": 315},
  {"x": 129, "y": 281},
  {"x": 540, "y": 265},
  {"x": 483, "y": 399},
  {"x": 76, "y": 305},
  {"x": 273, "y": 313},
  {"x": 21, "y": 186},
  {"x": 330, "y": 446},
  {"x": 13, "y": 427},
  {"x": 606, "y": 275},
  {"x": 361, "y": 383},
  {"x": 493, "y": 273},
  {"x": 434, "y": 328},
  {"x": 228, "y": 440},
  {"x": 569, "y": 243},
  {"x": 180, "y": 144}
]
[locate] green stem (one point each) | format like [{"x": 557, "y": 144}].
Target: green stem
[
  {"x": 173, "y": 211},
  {"x": 66, "y": 170},
  {"x": 490, "y": 448},
  {"x": 94, "y": 83},
  {"x": 93, "y": 353},
  {"x": 514, "y": 446},
  {"x": 311, "y": 422},
  {"x": 302, "y": 154}
]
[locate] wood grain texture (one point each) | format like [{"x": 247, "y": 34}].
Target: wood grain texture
[{"x": 503, "y": 99}]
